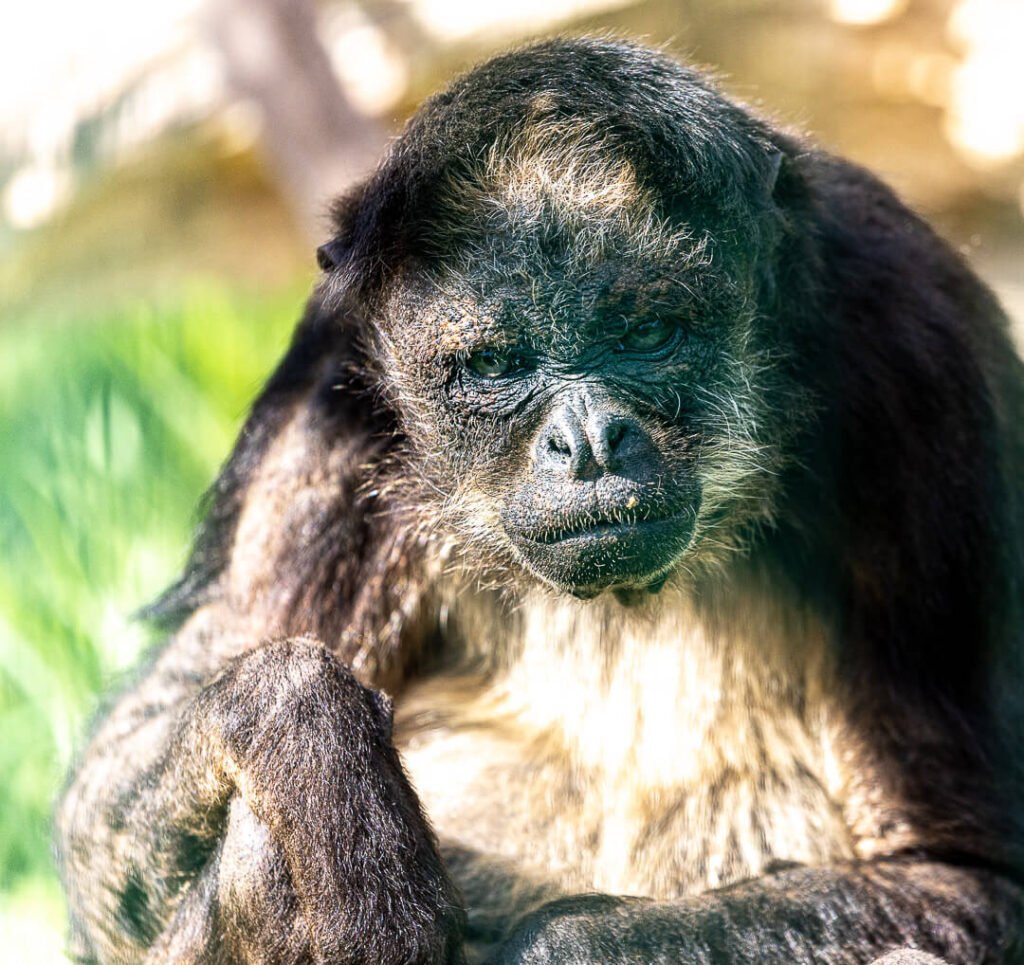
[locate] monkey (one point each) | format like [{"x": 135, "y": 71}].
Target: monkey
[{"x": 623, "y": 564}]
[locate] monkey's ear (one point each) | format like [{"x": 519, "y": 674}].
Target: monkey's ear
[
  {"x": 330, "y": 255},
  {"x": 775, "y": 163},
  {"x": 784, "y": 181}
]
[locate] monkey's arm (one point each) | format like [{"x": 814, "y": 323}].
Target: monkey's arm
[
  {"x": 243, "y": 801},
  {"x": 845, "y": 914},
  {"x": 265, "y": 817}
]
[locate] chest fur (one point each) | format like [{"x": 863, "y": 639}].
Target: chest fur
[{"x": 655, "y": 753}]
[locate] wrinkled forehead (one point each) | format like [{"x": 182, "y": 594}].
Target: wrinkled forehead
[
  {"x": 551, "y": 238},
  {"x": 553, "y": 311}
]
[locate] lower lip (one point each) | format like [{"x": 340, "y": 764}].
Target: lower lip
[{"x": 609, "y": 533}]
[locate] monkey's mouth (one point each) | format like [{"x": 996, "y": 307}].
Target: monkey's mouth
[
  {"x": 607, "y": 528},
  {"x": 587, "y": 554}
]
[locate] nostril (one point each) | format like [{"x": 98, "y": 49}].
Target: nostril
[
  {"x": 614, "y": 434},
  {"x": 558, "y": 445}
]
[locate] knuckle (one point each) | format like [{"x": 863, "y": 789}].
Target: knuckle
[
  {"x": 291, "y": 663},
  {"x": 287, "y": 691},
  {"x": 282, "y": 671}
]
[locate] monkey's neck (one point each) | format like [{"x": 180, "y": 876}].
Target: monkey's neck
[{"x": 656, "y": 751}]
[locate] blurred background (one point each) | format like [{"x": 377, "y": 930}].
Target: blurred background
[{"x": 165, "y": 169}]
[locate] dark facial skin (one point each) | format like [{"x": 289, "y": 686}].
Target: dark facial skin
[
  {"x": 572, "y": 404},
  {"x": 598, "y": 504}
]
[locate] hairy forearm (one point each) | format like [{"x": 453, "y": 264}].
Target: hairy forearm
[
  {"x": 850, "y": 914},
  {"x": 327, "y": 826},
  {"x": 103, "y": 840}
]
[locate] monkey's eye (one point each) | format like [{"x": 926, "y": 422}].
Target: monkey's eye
[
  {"x": 493, "y": 363},
  {"x": 648, "y": 336}
]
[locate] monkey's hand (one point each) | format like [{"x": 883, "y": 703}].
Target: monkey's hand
[
  {"x": 277, "y": 825},
  {"x": 837, "y": 915}
]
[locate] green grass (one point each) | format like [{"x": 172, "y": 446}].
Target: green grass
[{"x": 110, "y": 429}]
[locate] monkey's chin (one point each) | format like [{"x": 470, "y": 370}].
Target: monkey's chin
[{"x": 631, "y": 560}]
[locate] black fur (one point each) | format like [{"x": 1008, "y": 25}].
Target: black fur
[{"x": 245, "y": 800}]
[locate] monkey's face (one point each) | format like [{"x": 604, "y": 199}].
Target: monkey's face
[
  {"x": 599, "y": 429},
  {"x": 581, "y": 389}
]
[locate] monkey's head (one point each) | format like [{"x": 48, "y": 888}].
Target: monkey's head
[{"x": 566, "y": 264}]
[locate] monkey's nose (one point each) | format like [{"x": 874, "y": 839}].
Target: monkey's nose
[{"x": 585, "y": 444}]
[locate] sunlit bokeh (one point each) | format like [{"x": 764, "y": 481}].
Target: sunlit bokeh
[
  {"x": 986, "y": 110},
  {"x": 864, "y": 13},
  {"x": 459, "y": 19},
  {"x": 62, "y": 62},
  {"x": 372, "y": 70},
  {"x": 34, "y": 192}
]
